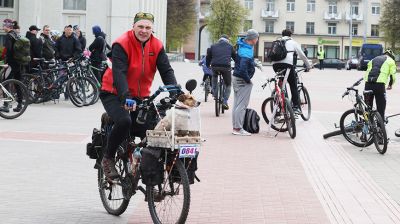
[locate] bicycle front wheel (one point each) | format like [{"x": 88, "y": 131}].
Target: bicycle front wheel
[
  {"x": 379, "y": 131},
  {"x": 170, "y": 201},
  {"x": 305, "y": 103},
  {"x": 267, "y": 109},
  {"x": 352, "y": 124},
  {"x": 13, "y": 98}
]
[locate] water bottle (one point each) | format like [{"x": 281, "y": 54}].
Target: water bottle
[
  {"x": 365, "y": 129},
  {"x": 136, "y": 156}
]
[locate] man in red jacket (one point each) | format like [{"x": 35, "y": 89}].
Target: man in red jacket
[{"x": 136, "y": 56}]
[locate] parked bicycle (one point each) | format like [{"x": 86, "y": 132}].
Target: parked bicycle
[
  {"x": 219, "y": 95},
  {"x": 362, "y": 125},
  {"x": 277, "y": 110},
  {"x": 167, "y": 189},
  {"x": 12, "y": 94},
  {"x": 304, "y": 96}
]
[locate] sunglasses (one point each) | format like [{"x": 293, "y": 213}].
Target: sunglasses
[{"x": 143, "y": 15}]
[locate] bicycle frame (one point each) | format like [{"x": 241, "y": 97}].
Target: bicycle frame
[
  {"x": 279, "y": 97},
  {"x": 8, "y": 94}
]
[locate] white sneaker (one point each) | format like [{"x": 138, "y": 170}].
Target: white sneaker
[{"x": 241, "y": 132}]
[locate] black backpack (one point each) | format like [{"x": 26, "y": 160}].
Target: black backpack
[
  {"x": 251, "y": 121},
  {"x": 278, "y": 50}
]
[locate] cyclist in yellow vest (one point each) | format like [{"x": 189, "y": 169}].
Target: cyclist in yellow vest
[
  {"x": 381, "y": 72},
  {"x": 321, "y": 56}
]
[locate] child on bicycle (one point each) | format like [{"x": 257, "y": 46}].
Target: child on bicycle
[{"x": 206, "y": 70}]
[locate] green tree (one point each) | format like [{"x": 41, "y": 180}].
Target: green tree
[
  {"x": 181, "y": 19},
  {"x": 389, "y": 22},
  {"x": 226, "y": 17}
]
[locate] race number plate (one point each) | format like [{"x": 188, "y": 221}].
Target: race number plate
[{"x": 188, "y": 150}]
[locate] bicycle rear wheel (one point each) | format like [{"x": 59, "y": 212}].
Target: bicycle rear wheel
[
  {"x": 221, "y": 96},
  {"x": 267, "y": 108},
  {"x": 379, "y": 132},
  {"x": 111, "y": 194},
  {"x": 216, "y": 99},
  {"x": 351, "y": 125},
  {"x": 305, "y": 103},
  {"x": 290, "y": 120},
  {"x": 14, "y": 99},
  {"x": 170, "y": 205}
]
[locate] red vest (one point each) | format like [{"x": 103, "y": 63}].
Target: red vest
[{"x": 142, "y": 65}]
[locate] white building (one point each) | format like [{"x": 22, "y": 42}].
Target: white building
[{"x": 113, "y": 16}]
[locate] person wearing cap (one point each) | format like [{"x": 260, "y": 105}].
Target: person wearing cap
[
  {"x": 36, "y": 46},
  {"x": 381, "y": 72},
  {"x": 242, "y": 85},
  {"x": 136, "y": 56},
  {"x": 67, "y": 46},
  {"x": 16, "y": 68},
  {"x": 98, "y": 50},
  {"x": 48, "y": 44},
  {"x": 219, "y": 57},
  {"x": 293, "y": 50},
  {"x": 81, "y": 38}
]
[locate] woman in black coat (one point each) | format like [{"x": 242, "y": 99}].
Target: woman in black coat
[{"x": 98, "y": 50}]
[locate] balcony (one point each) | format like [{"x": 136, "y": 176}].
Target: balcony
[
  {"x": 268, "y": 14},
  {"x": 332, "y": 16},
  {"x": 356, "y": 18}
]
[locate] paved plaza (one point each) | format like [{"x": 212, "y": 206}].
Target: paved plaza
[{"x": 47, "y": 177}]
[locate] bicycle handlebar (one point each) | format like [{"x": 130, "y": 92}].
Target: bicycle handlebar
[{"x": 352, "y": 87}]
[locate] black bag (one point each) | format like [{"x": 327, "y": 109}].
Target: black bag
[
  {"x": 191, "y": 168},
  {"x": 278, "y": 50},
  {"x": 94, "y": 149},
  {"x": 152, "y": 166},
  {"x": 251, "y": 121}
]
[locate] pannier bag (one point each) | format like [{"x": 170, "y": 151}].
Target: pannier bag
[
  {"x": 94, "y": 149},
  {"x": 251, "y": 121},
  {"x": 152, "y": 166}
]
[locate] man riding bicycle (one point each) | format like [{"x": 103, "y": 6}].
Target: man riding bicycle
[
  {"x": 219, "y": 56},
  {"x": 136, "y": 56},
  {"x": 381, "y": 72}
]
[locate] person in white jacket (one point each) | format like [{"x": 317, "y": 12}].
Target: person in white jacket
[{"x": 293, "y": 50}]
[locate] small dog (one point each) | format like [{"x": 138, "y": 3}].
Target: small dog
[{"x": 185, "y": 103}]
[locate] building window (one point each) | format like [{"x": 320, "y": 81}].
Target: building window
[
  {"x": 354, "y": 29},
  {"x": 376, "y": 9},
  {"x": 375, "y": 30},
  {"x": 6, "y": 3},
  {"x": 290, "y": 5},
  {"x": 248, "y": 4},
  {"x": 332, "y": 8},
  {"x": 248, "y": 24},
  {"x": 75, "y": 4},
  {"x": 310, "y": 5},
  {"x": 269, "y": 26},
  {"x": 290, "y": 26},
  {"x": 310, "y": 28},
  {"x": 331, "y": 28},
  {"x": 271, "y": 5},
  {"x": 354, "y": 9}
]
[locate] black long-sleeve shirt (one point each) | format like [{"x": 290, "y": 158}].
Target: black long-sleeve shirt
[{"x": 120, "y": 69}]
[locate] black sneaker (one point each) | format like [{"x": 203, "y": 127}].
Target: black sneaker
[
  {"x": 109, "y": 168},
  {"x": 4, "y": 109},
  {"x": 18, "y": 108}
]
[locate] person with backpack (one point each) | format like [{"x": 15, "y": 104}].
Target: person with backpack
[
  {"x": 67, "y": 46},
  {"x": 48, "y": 44},
  {"x": 288, "y": 49},
  {"x": 219, "y": 58},
  {"x": 98, "y": 50},
  {"x": 206, "y": 70},
  {"x": 242, "y": 85},
  {"x": 15, "y": 58},
  {"x": 36, "y": 46}
]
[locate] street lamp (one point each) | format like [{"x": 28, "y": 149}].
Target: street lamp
[{"x": 351, "y": 29}]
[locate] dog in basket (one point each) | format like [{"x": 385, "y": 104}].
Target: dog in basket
[{"x": 183, "y": 115}]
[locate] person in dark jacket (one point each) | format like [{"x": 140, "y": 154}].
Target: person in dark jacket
[
  {"x": 128, "y": 79},
  {"x": 36, "y": 46},
  {"x": 68, "y": 46},
  {"x": 98, "y": 50},
  {"x": 219, "y": 56},
  {"x": 48, "y": 44},
  {"x": 81, "y": 38},
  {"x": 16, "y": 68},
  {"x": 242, "y": 85}
]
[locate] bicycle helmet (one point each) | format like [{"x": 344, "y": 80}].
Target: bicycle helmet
[{"x": 389, "y": 52}]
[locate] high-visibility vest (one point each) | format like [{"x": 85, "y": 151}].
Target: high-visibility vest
[{"x": 321, "y": 55}]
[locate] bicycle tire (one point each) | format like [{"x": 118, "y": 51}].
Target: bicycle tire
[
  {"x": 290, "y": 119},
  {"x": 397, "y": 133},
  {"x": 355, "y": 127},
  {"x": 306, "y": 104},
  {"x": 268, "y": 105},
  {"x": 12, "y": 86},
  {"x": 221, "y": 96},
  {"x": 104, "y": 196},
  {"x": 379, "y": 132},
  {"x": 216, "y": 99},
  {"x": 78, "y": 95},
  {"x": 71, "y": 91},
  {"x": 183, "y": 213},
  {"x": 95, "y": 95}
]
